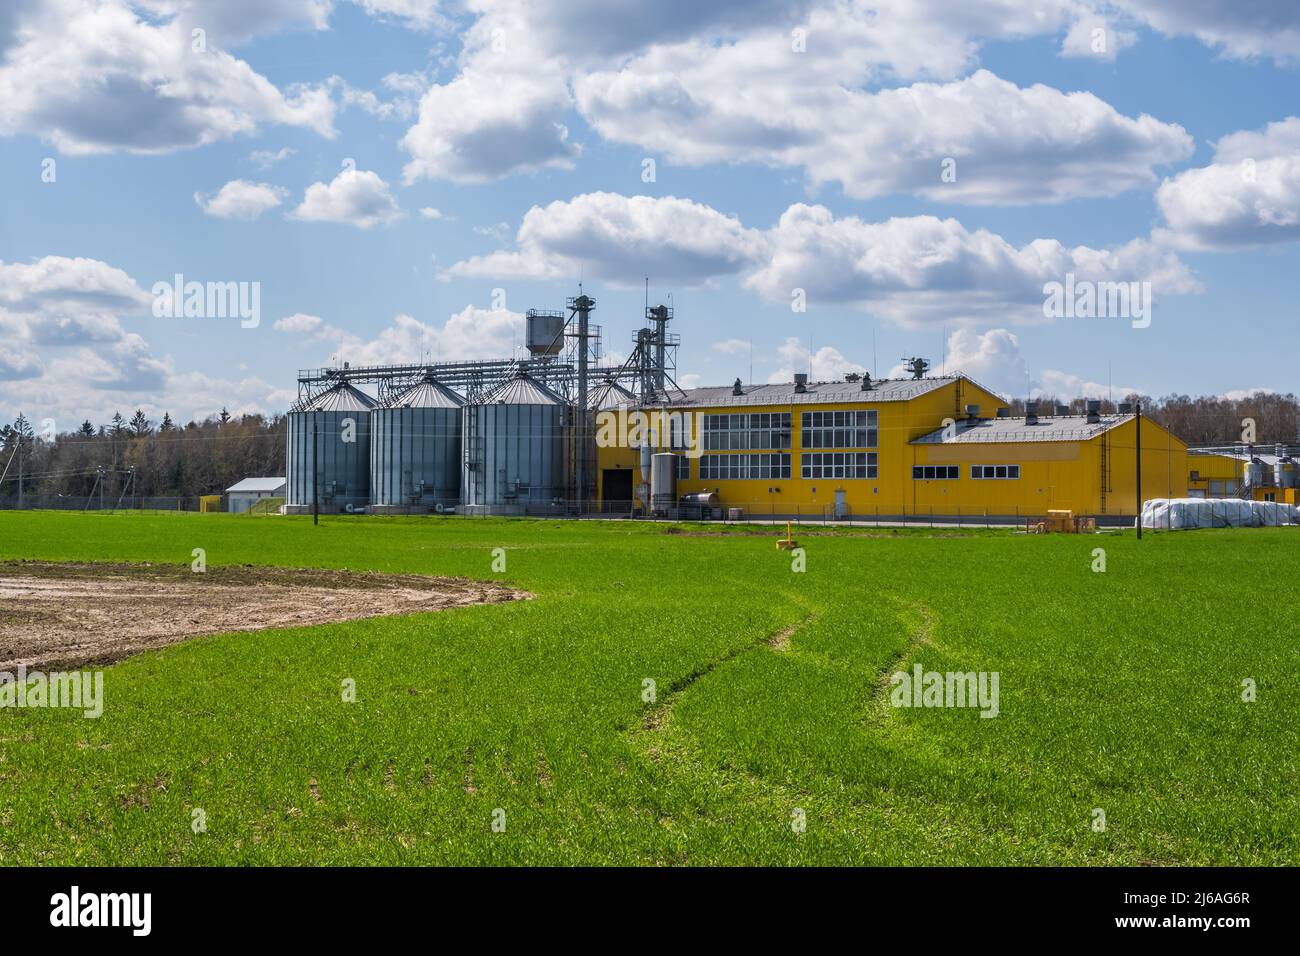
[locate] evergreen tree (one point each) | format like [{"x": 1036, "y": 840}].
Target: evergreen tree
[
  {"x": 140, "y": 425},
  {"x": 24, "y": 428}
]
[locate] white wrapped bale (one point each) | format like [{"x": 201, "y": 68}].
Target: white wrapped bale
[{"x": 1178, "y": 514}]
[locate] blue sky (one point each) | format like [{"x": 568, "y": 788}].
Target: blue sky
[{"x": 407, "y": 177}]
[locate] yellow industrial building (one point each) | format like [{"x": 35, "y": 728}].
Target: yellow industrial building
[
  {"x": 1212, "y": 475},
  {"x": 940, "y": 445},
  {"x": 1218, "y": 474}
]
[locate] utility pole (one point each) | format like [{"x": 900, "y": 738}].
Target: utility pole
[
  {"x": 1138, "y": 421},
  {"x": 315, "y": 467},
  {"x": 20, "y": 471}
]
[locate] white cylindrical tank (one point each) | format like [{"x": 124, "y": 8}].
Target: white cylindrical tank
[
  {"x": 1255, "y": 470},
  {"x": 663, "y": 481},
  {"x": 1284, "y": 472}
]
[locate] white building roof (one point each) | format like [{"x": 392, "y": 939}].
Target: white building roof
[
  {"x": 1049, "y": 428},
  {"x": 271, "y": 485}
]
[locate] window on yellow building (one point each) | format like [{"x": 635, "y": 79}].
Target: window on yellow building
[
  {"x": 935, "y": 472},
  {"x": 853, "y": 464},
  {"x": 852, "y": 429},
  {"x": 757, "y": 430},
  {"x": 994, "y": 471},
  {"x": 732, "y": 467}
]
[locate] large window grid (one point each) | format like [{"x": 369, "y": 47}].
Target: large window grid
[
  {"x": 851, "y": 429},
  {"x": 849, "y": 464},
  {"x": 729, "y": 467},
  {"x": 742, "y": 432}
]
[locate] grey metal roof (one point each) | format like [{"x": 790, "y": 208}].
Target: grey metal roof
[
  {"x": 521, "y": 389},
  {"x": 427, "y": 394},
  {"x": 610, "y": 394},
  {"x": 1268, "y": 457},
  {"x": 1049, "y": 428},
  {"x": 885, "y": 390},
  {"x": 258, "y": 484},
  {"x": 341, "y": 398}
]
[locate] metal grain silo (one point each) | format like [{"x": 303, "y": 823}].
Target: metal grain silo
[
  {"x": 609, "y": 396},
  {"x": 514, "y": 448},
  {"x": 415, "y": 452},
  {"x": 332, "y": 432}
]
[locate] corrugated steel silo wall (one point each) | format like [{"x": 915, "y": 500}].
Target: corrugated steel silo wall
[
  {"x": 410, "y": 445},
  {"x": 512, "y": 444},
  {"x": 346, "y": 464}
]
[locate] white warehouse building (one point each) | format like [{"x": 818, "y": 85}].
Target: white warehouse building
[{"x": 243, "y": 494}]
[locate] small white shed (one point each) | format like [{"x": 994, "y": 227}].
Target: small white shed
[{"x": 241, "y": 495}]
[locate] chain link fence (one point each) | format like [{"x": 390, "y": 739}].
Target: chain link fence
[{"x": 828, "y": 516}]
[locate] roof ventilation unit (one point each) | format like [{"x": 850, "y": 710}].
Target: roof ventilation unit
[
  {"x": 801, "y": 382},
  {"x": 972, "y": 411},
  {"x": 736, "y": 389},
  {"x": 917, "y": 366},
  {"x": 1031, "y": 413},
  {"x": 1062, "y": 410},
  {"x": 1094, "y": 411},
  {"x": 867, "y": 384},
  {"x": 1126, "y": 408},
  {"x": 1004, "y": 412}
]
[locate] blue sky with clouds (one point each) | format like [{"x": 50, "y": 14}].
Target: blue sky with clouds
[{"x": 407, "y": 177}]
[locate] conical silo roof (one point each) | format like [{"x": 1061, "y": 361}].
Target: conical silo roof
[
  {"x": 522, "y": 389},
  {"x": 610, "y": 394},
  {"x": 341, "y": 398},
  {"x": 429, "y": 393}
]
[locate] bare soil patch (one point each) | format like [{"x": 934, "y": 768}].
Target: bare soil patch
[{"x": 73, "y": 614}]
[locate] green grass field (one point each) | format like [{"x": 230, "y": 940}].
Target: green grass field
[{"x": 1119, "y": 690}]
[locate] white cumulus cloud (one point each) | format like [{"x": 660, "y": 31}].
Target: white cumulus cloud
[
  {"x": 978, "y": 140},
  {"x": 621, "y": 238},
  {"x": 923, "y": 270},
  {"x": 356, "y": 197},
  {"x": 827, "y": 364},
  {"x": 240, "y": 199},
  {"x": 94, "y": 77},
  {"x": 1248, "y": 196}
]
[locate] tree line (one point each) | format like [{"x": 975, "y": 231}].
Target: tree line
[
  {"x": 140, "y": 457},
  {"x": 1205, "y": 420}
]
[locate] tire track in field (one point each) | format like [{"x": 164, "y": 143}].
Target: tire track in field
[
  {"x": 656, "y": 716},
  {"x": 922, "y": 636}
]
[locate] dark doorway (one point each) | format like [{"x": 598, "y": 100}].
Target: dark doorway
[{"x": 616, "y": 489}]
